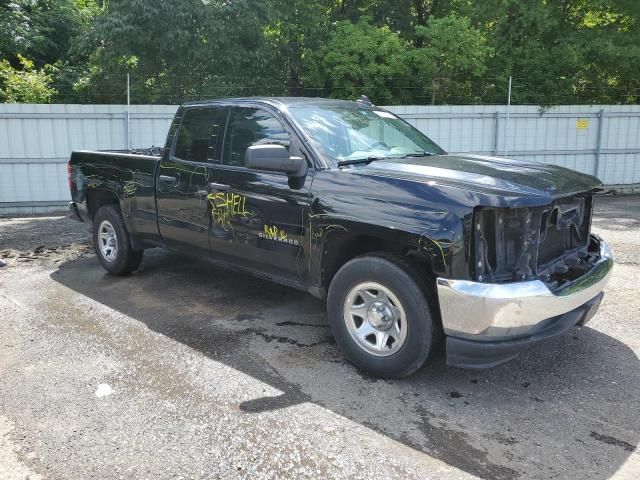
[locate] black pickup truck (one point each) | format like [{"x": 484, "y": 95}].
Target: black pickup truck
[{"x": 410, "y": 247}]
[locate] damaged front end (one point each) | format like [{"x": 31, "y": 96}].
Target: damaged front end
[
  {"x": 551, "y": 243},
  {"x": 537, "y": 272}
]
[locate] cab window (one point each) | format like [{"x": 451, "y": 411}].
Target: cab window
[
  {"x": 251, "y": 126},
  {"x": 200, "y": 133}
]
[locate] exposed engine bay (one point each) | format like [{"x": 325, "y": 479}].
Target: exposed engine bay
[{"x": 550, "y": 243}]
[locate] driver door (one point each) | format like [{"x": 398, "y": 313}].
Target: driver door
[{"x": 258, "y": 218}]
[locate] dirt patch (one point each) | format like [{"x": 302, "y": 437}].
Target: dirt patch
[
  {"x": 10, "y": 257},
  {"x": 26, "y": 234},
  {"x": 51, "y": 239}
]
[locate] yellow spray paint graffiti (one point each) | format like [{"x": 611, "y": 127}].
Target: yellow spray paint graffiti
[
  {"x": 434, "y": 247},
  {"x": 129, "y": 188},
  {"x": 273, "y": 231},
  {"x": 225, "y": 206},
  {"x": 322, "y": 230}
]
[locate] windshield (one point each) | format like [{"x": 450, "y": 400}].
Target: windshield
[{"x": 346, "y": 133}]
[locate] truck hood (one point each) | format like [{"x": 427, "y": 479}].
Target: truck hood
[{"x": 490, "y": 175}]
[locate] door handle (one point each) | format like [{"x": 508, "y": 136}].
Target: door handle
[
  {"x": 218, "y": 187},
  {"x": 167, "y": 179}
]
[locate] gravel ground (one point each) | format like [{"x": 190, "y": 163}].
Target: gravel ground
[{"x": 183, "y": 370}]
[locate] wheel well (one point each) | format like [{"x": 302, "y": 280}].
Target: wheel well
[
  {"x": 339, "y": 251},
  {"x": 99, "y": 198}
]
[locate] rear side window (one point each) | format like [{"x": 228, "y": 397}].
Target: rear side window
[
  {"x": 251, "y": 126},
  {"x": 200, "y": 134}
]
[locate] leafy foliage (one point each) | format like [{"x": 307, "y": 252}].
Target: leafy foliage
[
  {"x": 395, "y": 51},
  {"x": 363, "y": 58},
  {"x": 452, "y": 54},
  {"x": 26, "y": 85}
]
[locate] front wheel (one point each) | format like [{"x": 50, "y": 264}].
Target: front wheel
[
  {"x": 112, "y": 243},
  {"x": 381, "y": 313}
]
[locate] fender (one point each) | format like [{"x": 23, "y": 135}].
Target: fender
[{"x": 415, "y": 219}]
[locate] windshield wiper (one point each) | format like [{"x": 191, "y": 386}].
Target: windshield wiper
[
  {"x": 367, "y": 160},
  {"x": 357, "y": 161},
  {"x": 418, "y": 154}
]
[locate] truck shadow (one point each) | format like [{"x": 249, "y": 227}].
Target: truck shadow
[{"x": 567, "y": 409}]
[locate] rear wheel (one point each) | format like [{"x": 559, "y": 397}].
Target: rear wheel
[
  {"x": 112, "y": 242},
  {"x": 381, "y": 312}
]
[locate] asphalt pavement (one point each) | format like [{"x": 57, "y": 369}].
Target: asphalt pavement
[{"x": 184, "y": 370}]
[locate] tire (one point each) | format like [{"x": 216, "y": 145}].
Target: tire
[
  {"x": 392, "y": 296},
  {"x": 112, "y": 242}
]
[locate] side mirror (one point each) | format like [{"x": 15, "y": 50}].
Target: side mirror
[{"x": 275, "y": 158}]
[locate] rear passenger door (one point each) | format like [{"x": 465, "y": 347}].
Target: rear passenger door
[
  {"x": 182, "y": 180},
  {"x": 258, "y": 218}
]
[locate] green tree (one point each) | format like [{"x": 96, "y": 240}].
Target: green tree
[
  {"x": 24, "y": 85},
  {"x": 565, "y": 51},
  {"x": 401, "y": 16},
  {"x": 181, "y": 49},
  {"x": 361, "y": 59},
  {"x": 43, "y": 30},
  {"x": 15, "y": 29},
  {"x": 608, "y": 34},
  {"x": 46, "y": 32},
  {"x": 534, "y": 44},
  {"x": 452, "y": 54},
  {"x": 409, "y": 51},
  {"x": 291, "y": 37}
]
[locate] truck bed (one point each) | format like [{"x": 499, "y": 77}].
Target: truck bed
[{"x": 126, "y": 177}]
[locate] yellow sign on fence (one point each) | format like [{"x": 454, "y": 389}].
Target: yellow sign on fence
[{"x": 582, "y": 124}]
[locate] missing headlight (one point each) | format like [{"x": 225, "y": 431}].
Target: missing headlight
[{"x": 547, "y": 243}]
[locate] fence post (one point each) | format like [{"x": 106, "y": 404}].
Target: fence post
[
  {"x": 506, "y": 126},
  {"x": 496, "y": 136},
  {"x": 596, "y": 167},
  {"x": 128, "y": 113}
]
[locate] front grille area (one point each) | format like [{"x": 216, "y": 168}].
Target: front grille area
[
  {"x": 549, "y": 243},
  {"x": 564, "y": 227}
]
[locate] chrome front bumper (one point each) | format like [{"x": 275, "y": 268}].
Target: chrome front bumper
[{"x": 488, "y": 312}]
